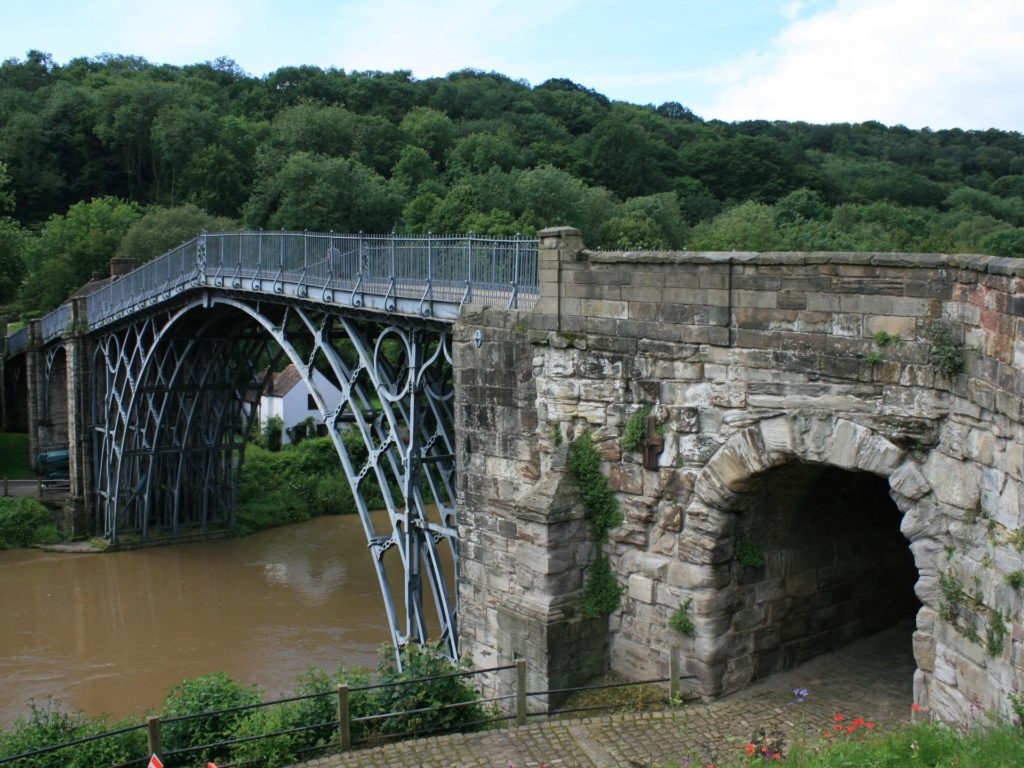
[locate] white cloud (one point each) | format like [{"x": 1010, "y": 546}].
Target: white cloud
[{"x": 937, "y": 63}]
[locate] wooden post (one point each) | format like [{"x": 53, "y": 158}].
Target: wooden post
[
  {"x": 520, "y": 691},
  {"x": 153, "y": 736},
  {"x": 673, "y": 674},
  {"x": 344, "y": 718}
]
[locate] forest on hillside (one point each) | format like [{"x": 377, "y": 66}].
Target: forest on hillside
[{"x": 115, "y": 156}]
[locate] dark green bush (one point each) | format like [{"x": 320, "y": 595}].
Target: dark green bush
[
  {"x": 416, "y": 663},
  {"x": 300, "y": 481},
  {"x": 204, "y": 694},
  {"x": 24, "y": 522}
]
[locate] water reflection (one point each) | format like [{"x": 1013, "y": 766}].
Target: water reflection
[{"x": 110, "y": 633}]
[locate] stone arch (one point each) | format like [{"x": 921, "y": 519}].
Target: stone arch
[{"x": 706, "y": 546}]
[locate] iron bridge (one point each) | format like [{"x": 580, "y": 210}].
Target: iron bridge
[{"x": 182, "y": 347}]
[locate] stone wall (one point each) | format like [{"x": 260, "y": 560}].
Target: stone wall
[{"x": 754, "y": 364}]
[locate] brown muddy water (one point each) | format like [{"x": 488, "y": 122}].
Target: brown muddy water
[{"x": 110, "y": 633}]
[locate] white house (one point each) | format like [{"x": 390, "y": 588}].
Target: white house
[{"x": 287, "y": 397}]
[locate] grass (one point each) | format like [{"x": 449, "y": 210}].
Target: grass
[{"x": 14, "y": 458}]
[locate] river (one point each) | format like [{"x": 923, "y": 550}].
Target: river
[{"x": 111, "y": 633}]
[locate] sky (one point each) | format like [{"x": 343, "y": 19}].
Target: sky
[{"x": 919, "y": 63}]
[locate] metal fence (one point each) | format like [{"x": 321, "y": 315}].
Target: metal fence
[
  {"x": 341, "y": 728},
  {"x": 17, "y": 341},
  {"x": 452, "y": 270},
  {"x": 56, "y": 322}
]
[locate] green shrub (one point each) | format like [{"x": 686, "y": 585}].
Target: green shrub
[
  {"x": 50, "y": 724},
  {"x": 749, "y": 554},
  {"x": 203, "y": 694},
  {"x": 271, "y": 436},
  {"x": 417, "y": 663},
  {"x": 24, "y": 522}
]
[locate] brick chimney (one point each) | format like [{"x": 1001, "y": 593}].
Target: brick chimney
[{"x": 120, "y": 267}]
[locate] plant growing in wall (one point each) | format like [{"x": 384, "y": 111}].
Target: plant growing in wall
[
  {"x": 749, "y": 554},
  {"x": 946, "y": 353},
  {"x": 602, "y": 594},
  {"x": 635, "y": 429},
  {"x": 681, "y": 621}
]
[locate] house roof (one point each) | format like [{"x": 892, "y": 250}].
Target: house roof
[{"x": 282, "y": 383}]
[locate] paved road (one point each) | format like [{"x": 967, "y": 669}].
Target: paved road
[{"x": 870, "y": 679}]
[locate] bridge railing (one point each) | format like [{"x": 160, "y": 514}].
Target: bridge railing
[
  {"x": 450, "y": 269},
  {"x": 17, "y": 341},
  {"x": 56, "y": 322}
]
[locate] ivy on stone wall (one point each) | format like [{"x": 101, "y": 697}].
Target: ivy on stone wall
[{"x": 602, "y": 594}]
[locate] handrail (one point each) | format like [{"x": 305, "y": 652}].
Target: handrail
[
  {"x": 523, "y": 693},
  {"x": 419, "y": 270}
]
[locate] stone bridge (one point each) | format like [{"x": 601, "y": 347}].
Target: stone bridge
[
  {"x": 842, "y": 448},
  {"x": 836, "y": 442}
]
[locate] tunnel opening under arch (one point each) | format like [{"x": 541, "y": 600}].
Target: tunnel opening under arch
[{"x": 819, "y": 562}]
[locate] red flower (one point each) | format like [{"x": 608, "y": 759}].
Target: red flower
[
  {"x": 917, "y": 707},
  {"x": 869, "y": 725},
  {"x": 838, "y": 718},
  {"x": 859, "y": 721},
  {"x": 750, "y": 750},
  {"x": 837, "y": 727},
  {"x": 777, "y": 756},
  {"x": 851, "y": 728}
]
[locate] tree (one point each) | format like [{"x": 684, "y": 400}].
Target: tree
[
  {"x": 161, "y": 229},
  {"x": 749, "y": 226},
  {"x": 72, "y": 247},
  {"x": 323, "y": 193},
  {"x": 427, "y": 128}
]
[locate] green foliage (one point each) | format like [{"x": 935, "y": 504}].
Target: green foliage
[
  {"x": 298, "y": 482},
  {"x": 884, "y": 339},
  {"x": 428, "y": 695},
  {"x": 681, "y": 621},
  {"x": 598, "y": 497},
  {"x": 952, "y": 596},
  {"x": 51, "y": 724},
  {"x": 306, "y": 148},
  {"x": 602, "y": 593},
  {"x": 208, "y": 693},
  {"x": 995, "y": 633},
  {"x": 161, "y": 229},
  {"x": 635, "y": 429},
  {"x": 1015, "y": 579},
  {"x": 14, "y": 456},
  {"x": 1017, "y": 705},
  {"x": 556, "y": 434},
  {"x": 271, "y": 434},
  {"x": 921, "y": 746},
  {"x": 749, "y": 554},
  {"x": 873, "y": 358},
  {"x": 946, "y": 352},
  {"x": 24, "y": 522}
]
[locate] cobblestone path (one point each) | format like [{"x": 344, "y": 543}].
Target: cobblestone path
[{"x": 869, "y": 679}]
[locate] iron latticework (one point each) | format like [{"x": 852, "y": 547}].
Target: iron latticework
[
  {"x": 181, "y": 349},
  {"x": 176, "y": 394}
]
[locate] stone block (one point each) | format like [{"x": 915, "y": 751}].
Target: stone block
[
  {"x": 641, "y": 588},
  {"x": 954, "y": 482}
]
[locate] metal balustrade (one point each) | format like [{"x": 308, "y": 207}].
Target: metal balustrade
[
  {"x": 17, "y": 341},
  {"x": 56, "y": 322},
  {"x": 406, "y": 274}
]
